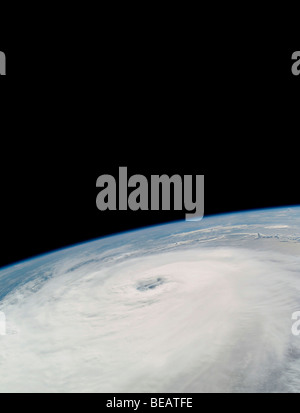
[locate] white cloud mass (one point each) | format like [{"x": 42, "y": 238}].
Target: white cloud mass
[{"x": 192, "y": 318}]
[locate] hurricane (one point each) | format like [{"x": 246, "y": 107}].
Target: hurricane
[{"x": 182, "y": 307}]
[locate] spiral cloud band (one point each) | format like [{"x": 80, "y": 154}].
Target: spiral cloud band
[{"x": 165, "y": 309}]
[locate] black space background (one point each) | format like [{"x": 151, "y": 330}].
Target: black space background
[{"x": 73, "y": 109}]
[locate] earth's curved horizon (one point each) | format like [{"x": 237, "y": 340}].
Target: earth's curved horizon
[{"x": 198, "y": 306}]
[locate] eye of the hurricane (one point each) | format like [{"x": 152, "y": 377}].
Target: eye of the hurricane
[{"x": 150, "y": 284}]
